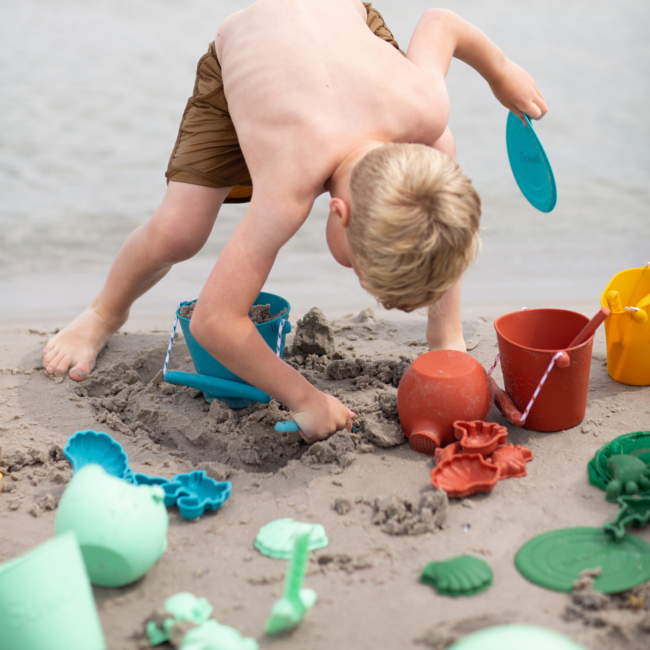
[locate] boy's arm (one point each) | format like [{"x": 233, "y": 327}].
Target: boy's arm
[
  {"x": 441, "y": 35},
  {"x": 220, "y": 320}
]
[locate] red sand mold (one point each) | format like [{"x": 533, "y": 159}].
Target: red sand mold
[{"x": 465, "y": 474}]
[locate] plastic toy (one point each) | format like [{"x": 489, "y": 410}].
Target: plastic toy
[
  {"x": 511, "y": 460},
  {"x": 556, "y": 559},
  {"x": 276, "y": 539},
  {"x": 516, "y": 637},
  {"x": 198, "y": 492},
  {"x": 437, "y": 389},
  {"x": 183, "y": 607},
  {"x": 630, "y": 475},
  {"x": 546, "y": 381},
  {"x": 214, "y": 636},
  {"x": 214, "y": 379},
  {"x": 529, "y": 164},
  {"x": 465, "y": 474},
  {"x": 121, "y": 528},
  {"x": 628, "y": 328},
  {"x": 635, "y": 444},
  {"x": 287, "y": 426},
  {"x": 46, "y": 602},
  {"x": 633, "y": 510},
  {"x": 459, "y": 576},
  {"x": 289, "y": 611},
  {"x": 84, "y": 447},
  {"x": 480, "y": 437},
  {"x": 590, "y": 328}
]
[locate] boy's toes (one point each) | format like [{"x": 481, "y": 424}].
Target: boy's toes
[
  {"x": 62, "y": 366},
  {"x": 80, "y": 372}
]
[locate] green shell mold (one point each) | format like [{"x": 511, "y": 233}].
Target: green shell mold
[
  {"x": 459, "y": 576},
  {"x": 277, "y": 538}
]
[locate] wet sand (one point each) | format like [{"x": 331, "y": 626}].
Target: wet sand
[{"x": 354, "y": 484}]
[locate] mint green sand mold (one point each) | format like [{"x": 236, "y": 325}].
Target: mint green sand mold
[
  {"x": 277, "y": 538},
  {"x": 633, "y": 510},
  {"x": 121, "y": 527},
  {"x": 459, "y": 576},
  {"x": 46, "y": 602},
  {"x": 214, "y": 636},
  {"x": 516, "y": 637},
  {"x": 181, "y": 607},
  {"x": 289, "y": 611}
]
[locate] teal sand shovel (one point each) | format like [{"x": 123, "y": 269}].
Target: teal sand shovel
[{"x": 289, "y": 611}]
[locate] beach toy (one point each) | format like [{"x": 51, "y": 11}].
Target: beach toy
[
  {"x": 213, "y": 378},
  {"x": 214, "y": 636},
  {"x": 511, "y": 460},
  {"x": 289, "y": 611},
  {"x": 199, "y": 492},
  {"x": 546, "y": 380},
  {"x": 529, "y": 164},
  {"x": 437, "y": 389},
  {"x": 276, "y": 539},
  {"x": 556, "y": 559},
  {"x": 478, "y": 437},
  {"x": 634, "y": 444},
  {"x": 84, "y": 447},
  {"x": 628, "y": 329},
  {"x": 459, "y": 576},
  {"x": 590, "y": 328},
  {"x": 46, "y": 602},
  {"x": 633, "y": 510},
  {"x": 629, "y": 475},
  {"x": 465, "y": 474},
  {"x": 181, "y": 607},
  {"x": 121, "y": 528},
  {"x": 288, "y": 426},
  {"x": 516, "y": 637}
]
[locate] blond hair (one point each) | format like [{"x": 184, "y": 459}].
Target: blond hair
[{"x": 414, "y": 220}]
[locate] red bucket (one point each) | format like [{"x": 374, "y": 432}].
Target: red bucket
[{"x": 528, "y": 341}]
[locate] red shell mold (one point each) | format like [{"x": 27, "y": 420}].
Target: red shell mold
[
  {"x": 443, "y": 453},
  {"x": 465, "y": 474},
  {"x": 511, "y": 460},
  {"x": 480, "y": 437}
]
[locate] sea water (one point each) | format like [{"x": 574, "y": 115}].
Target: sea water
[{"x": 91, "y": 95}]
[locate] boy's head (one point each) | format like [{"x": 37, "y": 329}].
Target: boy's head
[{"x": 413, "y": 224}]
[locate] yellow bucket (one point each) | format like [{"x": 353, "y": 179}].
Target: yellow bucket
[{"x": 628, "y": 327}]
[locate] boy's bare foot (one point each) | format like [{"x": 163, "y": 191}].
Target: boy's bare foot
[{"x": 75, "y": 348}]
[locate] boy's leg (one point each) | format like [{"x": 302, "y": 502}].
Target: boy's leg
[{"x": 177, "y": 231}]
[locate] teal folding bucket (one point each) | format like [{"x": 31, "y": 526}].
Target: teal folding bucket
[{"x": 212, "y": 377}]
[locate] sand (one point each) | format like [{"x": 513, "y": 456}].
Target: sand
[{"x": 368, "y": 488}]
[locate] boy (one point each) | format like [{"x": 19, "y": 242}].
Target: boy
[{"x": 297, "y": 98}]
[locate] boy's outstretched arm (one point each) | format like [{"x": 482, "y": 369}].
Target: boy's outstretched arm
[
  {"x": 221, "y": 325},
  {"x": 441, "y": 35}
]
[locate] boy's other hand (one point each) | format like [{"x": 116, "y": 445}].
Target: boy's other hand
[
  {"x": 322, "y": 416},
  {"x": 517, "y": 91}
]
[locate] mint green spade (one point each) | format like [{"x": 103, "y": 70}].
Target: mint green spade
[{"x": 289, "y": 611}]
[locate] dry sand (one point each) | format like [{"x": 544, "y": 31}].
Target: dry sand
[{"x": 369, "y": 489}]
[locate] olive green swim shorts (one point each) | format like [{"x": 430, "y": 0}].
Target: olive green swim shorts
[{"x": 207, "y": 150}]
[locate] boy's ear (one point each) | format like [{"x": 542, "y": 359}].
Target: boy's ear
[{"x": 340, "y": 209}]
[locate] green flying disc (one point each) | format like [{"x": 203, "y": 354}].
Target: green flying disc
[
  {"x": 529, "y": 164},
  {"x": 556, "y": 559}
]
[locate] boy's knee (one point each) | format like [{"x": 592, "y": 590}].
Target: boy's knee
[{"x": 173, "y": 241}]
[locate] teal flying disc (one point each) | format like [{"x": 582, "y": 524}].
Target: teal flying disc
[{"x": 529, "y": 164}]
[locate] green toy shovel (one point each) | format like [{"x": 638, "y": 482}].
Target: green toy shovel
[{"x": 295, "y": 602}]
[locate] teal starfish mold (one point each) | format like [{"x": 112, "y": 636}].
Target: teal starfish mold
[{"x": 634, "y": 510}]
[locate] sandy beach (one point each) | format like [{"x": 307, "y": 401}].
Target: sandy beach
[{"x": 367, "y": 578}]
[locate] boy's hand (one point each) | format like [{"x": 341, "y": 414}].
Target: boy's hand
[
  {"x": 517, "y": 91},
  {"x": 322, "y": 416}
]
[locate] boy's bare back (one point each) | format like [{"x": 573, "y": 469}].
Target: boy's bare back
[{"x": 308, "y": 82}]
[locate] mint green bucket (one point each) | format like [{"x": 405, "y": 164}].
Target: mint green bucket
[{"x": 46, "y": 602}]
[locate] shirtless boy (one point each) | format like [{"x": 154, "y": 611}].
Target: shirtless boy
[{"x": 316, "y": 90}]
